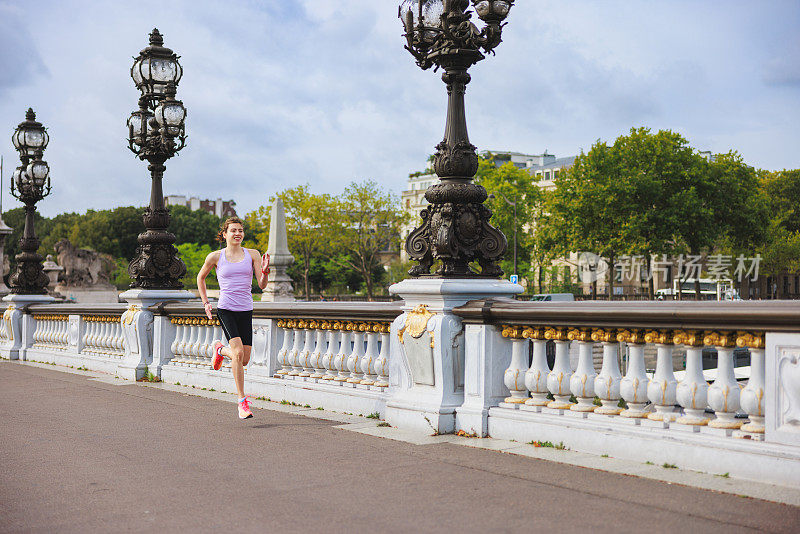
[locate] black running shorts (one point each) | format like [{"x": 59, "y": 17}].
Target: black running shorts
[{"x": 237, "y": 324}]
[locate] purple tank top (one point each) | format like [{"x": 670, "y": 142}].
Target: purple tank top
[{"x": 235, "y": 283}]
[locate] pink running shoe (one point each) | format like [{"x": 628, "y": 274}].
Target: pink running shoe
[
  {"x": 244, "y": 409},
  {"x": 216, "y": 362}
]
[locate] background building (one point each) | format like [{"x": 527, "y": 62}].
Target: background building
[{"x": 221, "y": 208}]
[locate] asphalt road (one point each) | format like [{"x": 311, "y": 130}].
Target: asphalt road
[{"x": 78, "y": 455}]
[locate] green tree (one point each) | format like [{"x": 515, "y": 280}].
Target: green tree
[
  {"x": 780, "y": 248},
  {"x": 510, "y": 185},
  {"x": 310, "y": 222},
  {"x": 194, "y": 255},
  {"x": 194, "y": 226},
  {"x": 369, "y": 220},
  {"x": 588, "y": 208}
]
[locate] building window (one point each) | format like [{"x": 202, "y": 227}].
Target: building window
[
  {"x": 546, "y": 175},
  {"x": 555, "y": 175},
  {"x": 408, "y": 202}
]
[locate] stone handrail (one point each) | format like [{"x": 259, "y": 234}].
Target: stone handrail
[
  {"x": 773, "y": 316},
  {"x": 618, "y": 378}
]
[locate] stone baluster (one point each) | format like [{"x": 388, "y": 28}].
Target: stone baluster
[
  {"x": 382, "y": 363},
  {"x": 344, "y": 353},
  {"x": 179, "y": 333},
  {"x": 63, "y": 337},
  {"x": 320, "y": 349},
  {"x": 283, "y": 354},
  {"x": 558, "y": 379},
  {"x": 186, "y": 349},
  {"x": 723, "y": 394},
  {"x": 199, "y": 357},
  {"x": 114, "y": 333},
  {"x": 207, "y": 348},
  {"x": 111, "y": 340},
  {"x": 297, "y": 347},
  {"x": 661, "y": 390},
  {"x": 186, "y": 326},
  {"x": 536, "y": 375},
  {"x": 329, "y": 358},
  {"x": 98, "y": 334},
  {"x": 752, "y": 396},
  {"x": 60, "y": 337},
  {"x": 582, "y": 382},
  {"x": 105, "y": 336},
  {"x": 50, "y": 330},
  {"x": 194, "y": 348},
  {"x": 355, "y": 358},
  {"x": 514, "y": 376},
  {"x": 308, "y": 348},
  {"x": 87, "y": 335},
  {"x": 58, "y": 328},
  {"x": 40, "y": 334},
  {"x": 37, "y": 332},
  {"x": 606, "y": 384},
  {"x": 107, "y": 333},
  {"x": 633, "y": 387},
  {"x": 692, "y": 391},
  {"x": 370, "y": 355}
]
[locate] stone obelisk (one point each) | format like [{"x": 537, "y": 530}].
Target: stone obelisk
[{"x": 279, "y": 285}]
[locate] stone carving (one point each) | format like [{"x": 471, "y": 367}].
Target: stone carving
[
  {"x": 418, "y": 349},
  {"x": 789, "y": 389},
  {"x": 74, "y": 331},
  {"x": 82, "y": 267}
]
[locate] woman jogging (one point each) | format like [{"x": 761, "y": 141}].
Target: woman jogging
[{"x": 235, "y": 268}]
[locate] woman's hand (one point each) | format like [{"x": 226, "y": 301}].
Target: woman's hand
[
  {"x": 265, "y": 263},
  {"x": 209, "y": 309}
]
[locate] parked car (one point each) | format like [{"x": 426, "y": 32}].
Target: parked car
[{"x": 549, "y": 297}]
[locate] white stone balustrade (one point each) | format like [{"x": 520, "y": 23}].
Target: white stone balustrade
[
  {"x": 642, "y": 393},
  {"x": 665, "y": 409},
  {"x": 103, "y": 335},
  {"x": 52, "y": 331},
  {"x": 193, "y": 343}
]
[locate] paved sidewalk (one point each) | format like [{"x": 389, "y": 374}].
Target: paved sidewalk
[{"x": 80, "y": 453}]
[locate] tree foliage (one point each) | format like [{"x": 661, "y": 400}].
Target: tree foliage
[
  {"x": 507, "y": 185},
  {"x": 651, "y": 193}
]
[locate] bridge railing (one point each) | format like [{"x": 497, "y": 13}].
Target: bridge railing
[
  {"x": 627, "y": 379},
  {"x": 707, "y": 386}
]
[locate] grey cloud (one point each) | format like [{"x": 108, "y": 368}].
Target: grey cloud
[{"x": 20, "y": 62}]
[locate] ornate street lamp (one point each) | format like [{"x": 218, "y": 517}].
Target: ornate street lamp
[
  {"x": 30, "y": 183},
  {"x": 156, "y": 132},
  {"x": 455, "y": 226}
]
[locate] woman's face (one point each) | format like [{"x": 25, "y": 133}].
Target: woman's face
[{"x": 234, "y": 234}]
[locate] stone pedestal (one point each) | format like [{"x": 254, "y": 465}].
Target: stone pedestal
[
  {"x": 279, "y": 284},
  {"x": 427, "y": 353},
  {"x": 137, "y": 329},
  {"x": 19, "y": 326}
]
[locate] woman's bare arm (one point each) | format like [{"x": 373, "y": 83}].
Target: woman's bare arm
[
  {"x": 258, "y": 271},
  {"x": 210, "y": 263}
]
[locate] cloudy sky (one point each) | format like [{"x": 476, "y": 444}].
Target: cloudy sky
[{"x": 282, "y": 93}]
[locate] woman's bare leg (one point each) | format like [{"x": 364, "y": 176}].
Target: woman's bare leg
[{"x": 235, "y": 351}]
